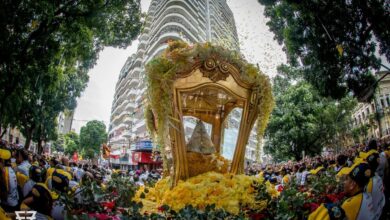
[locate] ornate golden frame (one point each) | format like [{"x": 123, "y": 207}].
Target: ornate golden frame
[{"x": 215, "y": 73}]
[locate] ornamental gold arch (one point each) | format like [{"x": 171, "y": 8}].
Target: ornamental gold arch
[
  {"x": 216, "y": 74},
  {"x": 219, "y": 78}
]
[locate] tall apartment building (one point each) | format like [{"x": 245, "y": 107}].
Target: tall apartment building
[
  {"x": 191, "y": 21},
  {"x": 65, "y": 120}
]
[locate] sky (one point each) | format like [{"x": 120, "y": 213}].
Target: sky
[{"x": 256, "y": 44}]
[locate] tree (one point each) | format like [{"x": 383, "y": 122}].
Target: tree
[
  {"x": 302, "y": 120},
  {"x": 71, "y": 143},
  {"x": 58, "y": 145},
  {"x": 47, "y": 47},
  {"x": 40, "y": 108},
  {"x": 334, "y": 42},
  {"x": 360, "y": 133},
  {"x": 68, "y": 143},
  {"x": 92, "y": 136},
  {"x": 45, "y": 131}
]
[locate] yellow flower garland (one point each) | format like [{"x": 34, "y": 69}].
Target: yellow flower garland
[{"x": 226, "y": 191}]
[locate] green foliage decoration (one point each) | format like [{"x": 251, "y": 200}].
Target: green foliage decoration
[{"x": 149, "y": 116}]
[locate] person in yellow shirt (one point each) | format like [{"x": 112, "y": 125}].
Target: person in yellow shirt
[
  {"x": 41, "y": 201},
  {"x": 358, "y": 205}
]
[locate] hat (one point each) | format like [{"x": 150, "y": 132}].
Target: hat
[
  {"x": 360, "y": 173},
  {"x": 60, "y": 179},
  {"x": 346, "y": 170},
  {"x": 36, "y": 173},
  {"x": 5, "y": 154}
]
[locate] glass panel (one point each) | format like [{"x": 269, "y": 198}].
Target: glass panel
[
  {"x": 230, "y": 133},
  {"x": 204, "y": 111},
  {"x": 206, "y": 102}
]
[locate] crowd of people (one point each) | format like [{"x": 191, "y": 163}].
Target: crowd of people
[
  {"x": 30, "y": 181},
  {"x": 361, "y": 170}
]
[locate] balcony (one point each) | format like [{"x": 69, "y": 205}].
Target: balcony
[
  {"x": 130, "y": 107},
  {"x": 119, "y": 108}
]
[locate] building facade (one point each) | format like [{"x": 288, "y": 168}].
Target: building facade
[
  {"x": 13, "y": 136},
  {"x": 376, "y": 114},
  {"x": 191, "y": 21},
  {"x": 65, "y": 120}
]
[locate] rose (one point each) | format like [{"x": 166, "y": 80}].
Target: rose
[
  {"x": 257, "y": 216},
  {"x": 108, "y": 205},
  {"x": 100, "y": 216}
]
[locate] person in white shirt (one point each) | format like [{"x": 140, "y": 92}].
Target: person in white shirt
[
  {"x": 375, "y": 186},
  {"x": 9, "y": 184},
  {"x": 143, "y": 178},
  {"x": 22, "y": 161},
  {"x": 298, "y": 175},
  {"x": 79, "y": 173},
  {"x": 305, "y": 173}
]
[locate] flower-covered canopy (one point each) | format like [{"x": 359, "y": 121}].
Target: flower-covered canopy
[{"x": 205, "y": 82}]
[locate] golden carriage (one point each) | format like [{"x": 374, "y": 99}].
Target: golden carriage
[{"x": 207, "y": 83}]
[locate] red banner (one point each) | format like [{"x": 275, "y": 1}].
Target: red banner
[{"x": 141, "y": 157}]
